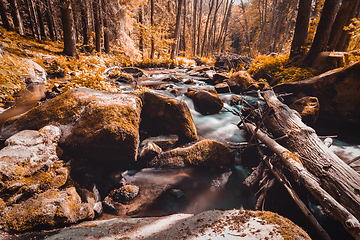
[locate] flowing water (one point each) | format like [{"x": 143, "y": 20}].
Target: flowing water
[{"x": 190, "y": 189}]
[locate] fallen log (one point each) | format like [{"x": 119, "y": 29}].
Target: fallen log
[{"x": 335, "y": 185}]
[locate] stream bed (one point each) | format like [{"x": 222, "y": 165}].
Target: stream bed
[{"x": 195, "y": 189}]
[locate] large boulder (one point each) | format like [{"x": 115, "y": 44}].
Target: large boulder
[
  {"x": 206, "y": 102},
  {"x": 31, "y": 175},
  {"x": 95, "y": 124},
  {"x": 34, "y": 72},
  {"x": 165, "y": 115},
  {"x": 203, "y": 153},
  {"x": 327, "y": 61},
  {"x": 51, "y": 208},
  {"x": 337, "y": 90}
]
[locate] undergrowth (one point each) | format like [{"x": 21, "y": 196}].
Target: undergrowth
[{"x": 275, "y": 69}]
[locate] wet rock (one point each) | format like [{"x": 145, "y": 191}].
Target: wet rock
[
  {"x": 218, "y": 78},
  {"x": 174, "y": 91},
  {"x": 327, "y": 61},
  {"x": 337, "y": 91},
  {"x": 50, "y": 208},
  {"x": 119, "y": 76},
  {"x": 134, "y": 71},
  {"x": 241, "y": 81},
  {"x": 203, "y": 153},
  {"x": 222, "y": 88},
  {"x": 198, "y": 61},
  {"x": 209, "y": 74},
  {"x": 34, "y": 72},
  {"x": 232, "y": 61},
  {"x": 165, "y": 115},
  {"x": 174, "y": 79},
  {"x": 206, "y": 102},
  {"x": 124, "y": 194},
  {"x": 149, "y": 151},
  {"x": 308, "y": 108},
  {"x": 189, "y": 81},
  {"x": 163, "y": 141},
  {"x": 95, "y": 124}
]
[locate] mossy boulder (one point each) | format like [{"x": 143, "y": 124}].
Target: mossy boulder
[
  {"x": 203, "y": 153},
  {"x": 308, "y": 108},
  {"x": 50, "y": 208},
  {"x": 95, "y": 124},
  {"x": 327, "y": 61},
  {"x": 222, "y": 88},
  {"x": 164, "y": 115},
  {"x": 241, "y": 81},
  {"x": 337, "y": 90},
  {"x": 207, "y": 102}
]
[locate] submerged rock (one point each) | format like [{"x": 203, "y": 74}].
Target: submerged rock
[
  {"x": 94, "y": 124},
  {"x": 308, "y": 108},
  {"x": 165, "y": 115},
  {"x": 31, "y": 175},
  {"x": 206, "y": 102},
  {"x": 203, "y": 153}
]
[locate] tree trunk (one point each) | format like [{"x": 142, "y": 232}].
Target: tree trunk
[
  {"x": 272, "y": 25},
  {"x": 323, "y": 31},
  {"x": 31, "y": 17},
  {"x": 199, "y": 28},
  {"x": 85, "y": 21},
  {"x": 68, "y": 28},
  {"x": 226, "y": 26},
  {"x": 247, "y": 35},
  {"x": 152, "y": 9},
  {"x": 106, "y": 29},
  {"x": 342, "y": 18},
  {"x": 4, "y": 18},
  {"x": 175, "y": 47},
  {"x": 50, "y": 21},
  {"x": 41, "y": 20},
  {"x": 194, "y": 28},
  {"x": 141, "y": 31},
  {"x": 206, "y": 26},
  {"x": 18, "y": 23},
  {"x": 262, "y": 26},
  {"x": 344, "y": 40},
  {"x": 98, "y": 27},
  {"x": 298, "y": 44},
  {"x": 327, "y": 169},
  {"x": 36, "y": 22},
  {"x": 183, "y": 35}
]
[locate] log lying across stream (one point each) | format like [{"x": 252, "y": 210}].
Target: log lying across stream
[{"x": 330, "y": 180}]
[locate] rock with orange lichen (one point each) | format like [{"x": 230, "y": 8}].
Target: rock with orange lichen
[
  {"x": 31, "y": 174},
  {"x": 308, "y": 108},
  {"x": 241, "y": 81},
  {"x": 203, "y": 153},
  {"x": 94, "y": 123},
  {"x": 206, "y": 102},
  {"x": 165, "y": 115},
  {"x": 50, "y": 208}
]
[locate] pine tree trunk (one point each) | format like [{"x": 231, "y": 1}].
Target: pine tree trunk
[
  {"x": 15, "y": 13},
  {"x": 152, "y": 9},
  {"x": 183, "y": 36},
  {"x": 68, "y": 28},
  {"x": 31, "y": 21},
  {"x": 50, "y": 21},
  {"x": 195, "y": 3},
  {"x": 199, "y": 28},
  {"x": 226, "y": 26},
  {"x": 175, "y": 47},
  {"x": 41, "y": 20},
  {"x": 36, "y": 22},
  {"x": 4, "y": 17},
  {"x": 106, "y": 29},
  {"x": 323, "y": 31},
  {"x": 206, "y": 26},
  {"x": 85, "y": 22},
  {"x": 301, "y": 29},
  {"x": 98, "y": 27},
  {"x": 141, "y": 32}
]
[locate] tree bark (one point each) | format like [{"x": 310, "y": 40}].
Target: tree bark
[
  {"x": 327, "y": 170},
  {"x": 36, "y": 22},
  {"x": 195, "y": 3},
  {"x": 152, "y": 9},
  {"x": 342, "y": 18},
  {"x": 106, "y": 29},
  {"x": 247, "y": 35},
  {"x": 98, "y": 25},
  {"x": 211, "y": 5},
  {"x": 141, "y": 32},
  {"x": 183, "y": 35},
  {"x": 68, "y": 28},
  {"x": 323, "y": 31},
  {"x": 175, "y": 47},
  {"x": 85, "y": 21},
  {"x": 18, "y": 23},
  {"x": 50, "y": 21},
  {"x": 4, "y": 17},
  {"x": 301, "y": 29},
  {"x": 31, "y": 18},
  {"x": 199, "y": 28},
  {"x": 41, "y": 20},
  {"x": 272, "y": 25}
]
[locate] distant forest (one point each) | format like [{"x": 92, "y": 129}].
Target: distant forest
[{"x": 169, "y": 28}]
